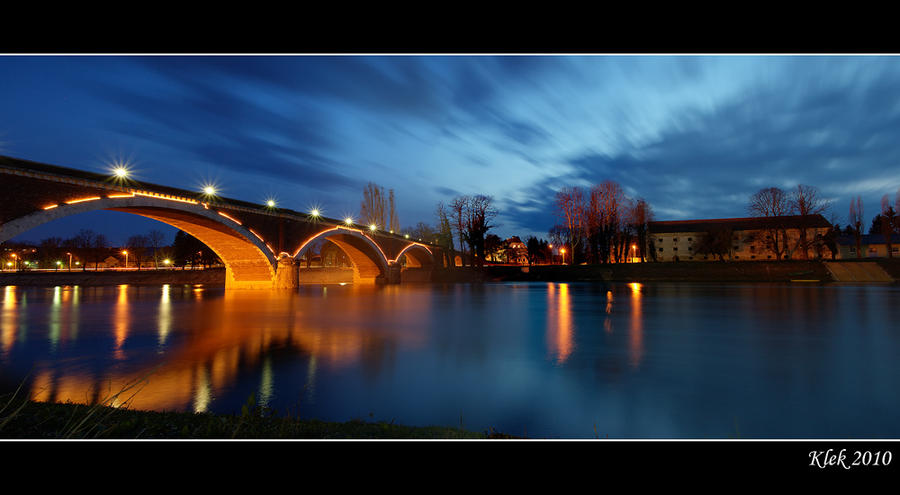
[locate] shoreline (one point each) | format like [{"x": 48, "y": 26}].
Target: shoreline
[
  {"x": 685, "y": 271},
  {"x": 30, "y": 420}
]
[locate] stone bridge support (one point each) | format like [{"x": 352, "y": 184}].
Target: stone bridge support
[{"x": 287, "y": 273}]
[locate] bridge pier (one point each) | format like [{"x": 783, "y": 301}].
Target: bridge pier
[
  {"x": 287, "y": 273},
  {"x": 393, "y": 273}
]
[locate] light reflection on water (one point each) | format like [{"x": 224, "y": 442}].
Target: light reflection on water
[{"x": 552, "y": 359}]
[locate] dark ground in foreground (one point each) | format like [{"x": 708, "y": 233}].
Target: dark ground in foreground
[{"x": 39, "y": 420}]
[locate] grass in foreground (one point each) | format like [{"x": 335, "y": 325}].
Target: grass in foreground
[{"x": 39, "y": 420}]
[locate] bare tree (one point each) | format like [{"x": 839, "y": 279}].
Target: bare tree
[
  {"x": 155, "y": 240},
  {"x": 137, "y": 245},
  {"x": 458, "y": 209},
  {"x": 394, "y": 221},
  {"x": 641, "y": 216},
  {"x": 612, "y": 201},
  {"x": 888, "y": 221},
  {"x": 481, "y": 212},
  {"x": 372, "y": 208},
  {"x": 856, "y": 222},
  {"x": 715, "y": 241},
  {"x": 806, "y": 203},
  {"x": 570, "y": 208},
  {"x": 773, "y": 204}
]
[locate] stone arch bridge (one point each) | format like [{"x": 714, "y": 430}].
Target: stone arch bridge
[{"x": 259, "y": 246}]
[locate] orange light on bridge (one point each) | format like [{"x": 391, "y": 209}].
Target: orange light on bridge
[
  {"x": 230, "y": 218},
  {"x": 257, "y": 235},
  {"x": 116, "y": 196},
  {"x": 50, "y": 207},
  {"x": 169, "y": 198},
  {"x": 82, "y": 200}
]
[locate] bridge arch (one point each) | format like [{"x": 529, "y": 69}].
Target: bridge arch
[
  {"x": 370, "y": 265},
  {"x": 417, "y": 256},
  {"x": 249, "y": 262}
]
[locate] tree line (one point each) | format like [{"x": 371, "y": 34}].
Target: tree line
[
  {"x": 886, "y": 222},
  {"x": 89, "y": 249},
  {"x": 600, "y": 224}
]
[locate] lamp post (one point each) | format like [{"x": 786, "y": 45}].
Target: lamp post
[
  {"x": 633, "y": 253},
  {"x": 125, "y": 252},
  {"x": 15, "y": 261},
  {"x": 563, "y": 253},
  {"x": 70, "y": 261}
]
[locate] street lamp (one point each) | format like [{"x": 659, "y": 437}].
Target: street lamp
[
  {"x": 125, "y": 252},
  {"x": 563, "y": 253},
  {"x": 70, "y": 261},
  {"x": 633, "y": 252}
]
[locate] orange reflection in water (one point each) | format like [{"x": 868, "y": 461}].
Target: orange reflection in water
[
  {"x": 234, "y": 332},
  {"x": 121, "y": 322},
  {"x": 9, "y": 319},
  {"x": 559, "y": 324},
  {"x": 636, "y": 330}
]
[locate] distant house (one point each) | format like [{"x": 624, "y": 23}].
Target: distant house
[
  {"x": 516, "y": 252},
  {"x": 748, "y": 238},
  {"x": 871, "y": 246},
  {"x": 112, "y": 262}
]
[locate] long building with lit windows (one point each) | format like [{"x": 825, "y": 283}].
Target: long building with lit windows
[{"x": 681, "y": 240}]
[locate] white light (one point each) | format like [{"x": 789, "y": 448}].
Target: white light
[
  {"x": 121, "y": 172},
  {"x": 210, "y": 190},
  {"x": 314, "y": 213},
  {"x": 348, "y": 221},
  {"x": 373, "y": 227},
  {"x": 270, "y": 203}
]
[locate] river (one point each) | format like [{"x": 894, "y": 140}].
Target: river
[{"x": 541, "y": 360}]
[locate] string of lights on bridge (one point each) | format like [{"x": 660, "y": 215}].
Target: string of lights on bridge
[{"x": 121, "y": 172}]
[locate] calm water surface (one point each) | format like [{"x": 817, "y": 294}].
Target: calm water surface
[{"x": 538, "y": 359}]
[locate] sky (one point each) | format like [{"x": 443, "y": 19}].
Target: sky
[{"x": 693, "y": 135}]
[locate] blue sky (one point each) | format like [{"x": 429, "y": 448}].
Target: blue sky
[{"x": 693, "y": 135}]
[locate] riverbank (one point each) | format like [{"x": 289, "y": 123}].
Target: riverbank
[
  {"x": 210, "y": 276},
  {"x": 694, "y": 271},
  {"x": 41, "y": 420}
]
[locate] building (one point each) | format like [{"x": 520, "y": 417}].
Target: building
[
  {"x": 739, "y": 239},
  {"x": 871, "y": 246},
  {"x": 516, "y": 251}
]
